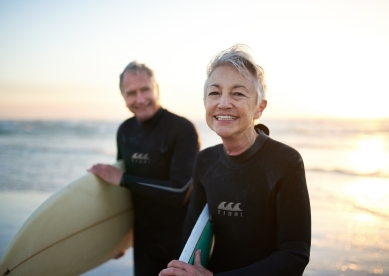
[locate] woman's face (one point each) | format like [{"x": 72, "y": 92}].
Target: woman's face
[{"x": 231, "y": 103}]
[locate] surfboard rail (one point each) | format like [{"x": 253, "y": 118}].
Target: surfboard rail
[
  {"x": 202, "y": 238},
  {"x": 81, "y": 226}
]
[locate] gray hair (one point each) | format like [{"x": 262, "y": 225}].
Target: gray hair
[
  {"x": 136, "y": 67},
  {"x": 239, "y": 57}
]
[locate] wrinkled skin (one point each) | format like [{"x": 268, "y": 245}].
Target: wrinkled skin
[{"x": 178, "y": 268}]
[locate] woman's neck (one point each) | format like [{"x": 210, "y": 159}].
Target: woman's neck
[{"x": 236, "y": 146}]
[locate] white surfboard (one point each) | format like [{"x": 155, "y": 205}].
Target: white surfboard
[
  {"x": 201, "y": 237},
  {"x": 83, "y": 225}
]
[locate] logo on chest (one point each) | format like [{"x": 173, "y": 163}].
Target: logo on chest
[
  {"x": 140, "y": 158},
  {"x": 230, "y": 209}
]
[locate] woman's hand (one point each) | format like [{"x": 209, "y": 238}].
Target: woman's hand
[{"x": 178, "y": 268}]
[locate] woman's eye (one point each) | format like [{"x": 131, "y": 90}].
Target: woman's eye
[
  {"x": 213, "y": 93},
  {"x": 238, "y": 94}
]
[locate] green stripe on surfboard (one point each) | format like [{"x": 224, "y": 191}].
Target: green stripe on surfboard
[{"x": 200, "y": 238}]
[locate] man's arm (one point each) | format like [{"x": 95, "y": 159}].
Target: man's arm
[
  {"x": 177, "y": 188},
  {"x": 115, "y": 176}
]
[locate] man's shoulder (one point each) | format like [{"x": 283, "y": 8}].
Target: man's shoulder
[
  {"x": 128, "y": 122},
  {"x": 172, "y": 116},
  {"x": 178, "y": 123},
  {"x": 128, "y": 126}
]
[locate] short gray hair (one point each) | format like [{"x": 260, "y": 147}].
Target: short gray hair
[
  {"x": 134, "y": 66},
  {"x": 239, "y": 57}
]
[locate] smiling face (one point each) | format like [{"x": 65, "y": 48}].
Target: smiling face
[
  {"x": 231, "y": 104},
  {"x": 139, "y": 94}
]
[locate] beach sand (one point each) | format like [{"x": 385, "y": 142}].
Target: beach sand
[{"x": 346, "y": 239}]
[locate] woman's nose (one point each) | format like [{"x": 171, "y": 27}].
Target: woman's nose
[{"x": 225, "y": 101}]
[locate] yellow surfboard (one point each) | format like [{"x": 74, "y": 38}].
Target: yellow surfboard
[{"x": 83, "y": 225}]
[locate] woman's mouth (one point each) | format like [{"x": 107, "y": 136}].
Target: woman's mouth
[{"x": 225, "y": 118}]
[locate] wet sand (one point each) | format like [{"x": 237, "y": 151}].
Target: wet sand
[{"x": 347, "y": 239}]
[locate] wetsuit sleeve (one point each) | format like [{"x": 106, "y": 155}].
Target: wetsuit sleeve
[
  {"x": 294, "y": 226},
  {"x": 197, "y": 202},
  {"x": 119, "y": 154},
  {"x": 175, "y": 190}
]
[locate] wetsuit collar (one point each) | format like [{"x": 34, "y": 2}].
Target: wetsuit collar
[
  {"x": 153, "y": 120},
  {"x": 250, "y": 152}
]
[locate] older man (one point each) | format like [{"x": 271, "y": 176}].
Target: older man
[
  {"x": 159, "y": 149},
  {"x": 262, "y": 180}
]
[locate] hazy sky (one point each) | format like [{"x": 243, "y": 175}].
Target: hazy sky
[{"x": 62, "y": 59}]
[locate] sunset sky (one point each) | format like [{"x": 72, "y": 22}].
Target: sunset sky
[{"x": 62, "y": 59}]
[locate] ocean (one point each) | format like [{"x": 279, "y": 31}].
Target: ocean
[{"x": 347, "y": 169}]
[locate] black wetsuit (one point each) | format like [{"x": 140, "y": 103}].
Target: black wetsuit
[
  {"x": 159, "y": 155},
  {"x": 259, "y": 206}
]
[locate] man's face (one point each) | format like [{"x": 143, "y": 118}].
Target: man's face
[{"x": 139, "y": 95}]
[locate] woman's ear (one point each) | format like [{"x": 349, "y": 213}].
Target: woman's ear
[{"x": 260, "y": 108}]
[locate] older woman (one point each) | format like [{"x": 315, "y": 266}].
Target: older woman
[{"x": 262, "y": 180}]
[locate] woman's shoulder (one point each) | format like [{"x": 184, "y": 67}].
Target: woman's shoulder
[
  {"x": 210, "y": 153},
  {"x": 207, "y": 159},
  {"x": 277, "y": 148}
]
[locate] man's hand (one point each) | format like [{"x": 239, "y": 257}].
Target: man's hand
[
  {"x": 120, "y": 254},
  {"x": 178, "y": 268},
  {"x": 108, "y": 173}
]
